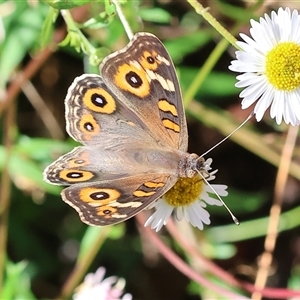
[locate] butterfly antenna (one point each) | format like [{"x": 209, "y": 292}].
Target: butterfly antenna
[
  {"x": 234, "y": 218},
  {"x": 230, "y": 134}
]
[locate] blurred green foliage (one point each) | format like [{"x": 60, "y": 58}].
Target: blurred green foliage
[{"x": 45, "y": 237}]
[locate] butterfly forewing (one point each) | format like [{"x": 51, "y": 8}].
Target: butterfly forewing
[
  {"x": 142, "y": 75},
  {"x": 95, "y": 115}
]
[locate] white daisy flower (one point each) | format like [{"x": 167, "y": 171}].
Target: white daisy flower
[
  {"x": 187, "y": 199},
  {"x": 270, "y": 61},
  {"x": 95, "y": 287}
]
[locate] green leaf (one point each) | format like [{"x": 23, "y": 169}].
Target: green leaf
[
  {"x": 66, "y": 4},
  {"x": 30, "y": 172},
  {"x": 216, "y": 83},
  {"x": 237, "y": 13},
  {"x": 47, "y": 29},
  {"x": 219, "y": 251},
  {"x": 17, "y": 282},
  {"x": 288, "y": 220},
  {"x": 294, "y": 280},
  {"x": 96, "y": 58},
  {"x": 66, "y": 41},
  {"x": 110, "y": 7},
  {"x": 100, "y": 21},
  {"x": 155, "y": 14},
  {"x": 94, "y": 238},
  {"x": 21, "y": 34},
  {"x": 42, "y": 149},
  {"x": 117, "y": 231},
  {"x": 180, "y": 47}
]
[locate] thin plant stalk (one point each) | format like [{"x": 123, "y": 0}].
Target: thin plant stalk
[
  {"x": 5, "y": 184},
  {"x": 83, "y": 263},
  {"x": 272, "y": 232},
  {"x": 123, "y": 19}
]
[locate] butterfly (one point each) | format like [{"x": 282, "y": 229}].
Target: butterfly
[{"x": 131, "y": 123}]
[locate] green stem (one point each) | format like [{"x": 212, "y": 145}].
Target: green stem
[
  {"x": 214, "y": 56},
  {"x": 123, "y": 19},
  {"x": 288, "y": 220},
  {"x": 73, "y": 29},
  {"x": 83, "y": 263},
  {"x": 204, "y": 71},
  {"x": 213, "y": 22},
  {"x": 5, "y": 191}
]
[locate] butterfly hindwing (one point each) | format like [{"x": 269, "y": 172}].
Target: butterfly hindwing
[
  {"x": 113, "y": 201},
  {"x": 93, "y": 164}
]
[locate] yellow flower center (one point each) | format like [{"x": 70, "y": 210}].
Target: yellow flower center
[
  {"x": 185, "y": 191},
  {"x": 283, "y": 66}
]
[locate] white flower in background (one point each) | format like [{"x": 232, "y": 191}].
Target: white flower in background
[
  {"x": 187, "y": 199},
  {"x": 95, "y": 287},
  {"x": 270, "y": 61}
]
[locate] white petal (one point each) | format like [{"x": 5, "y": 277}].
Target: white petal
[
  {"x": 295, "y": 105},
  {"x": 210, "y": 200},
  {"x": 253, "y": 92},
  {"x": 179, "y": 213},
  {"x": 160, "y": 216},
  {"x": 263, "y": 34},
  {"x": 197, "y": 215},
  {"x": 295, "y": 27},
  {"x": 290, "y": 109},
  {"x": 263, "y": 103}
]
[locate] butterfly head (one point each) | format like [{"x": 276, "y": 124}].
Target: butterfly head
[{"x": 192, "y": 164}]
